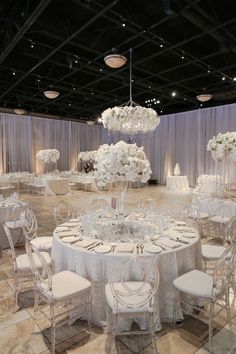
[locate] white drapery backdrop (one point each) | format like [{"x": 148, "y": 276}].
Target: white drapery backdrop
[{"x": 180, "y": 137}]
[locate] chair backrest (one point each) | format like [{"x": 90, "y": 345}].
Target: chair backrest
[
  {"x": 224, "y": 269},
  {"x": 137, "y": 277},
  {"x": 41, "y": 272},
  {"x": 230, "y": 235},
  {"x": 99, "y": 204},
  {"x": 30, "y": 225},
  {"x": 63, "y": 212},
  {"x": 190, "y": 215},
  {"x": 10, "y": 241}
]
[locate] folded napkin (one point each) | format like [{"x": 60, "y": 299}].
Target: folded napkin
[
  {"x": 184, "y": 229},
  {"x": 74, "y": 220},
  {"x": 103, "y": 249},
  {"x": 86, "y": 243},
  {"x": 70, "y": 239},
  {"x": 62, "y": 228},
  {"x": 169, "y": 243},
  {"x": 125, "y": 247},
  {"x": 71, "y": 224},
  {"x": 180, "y": 223}
]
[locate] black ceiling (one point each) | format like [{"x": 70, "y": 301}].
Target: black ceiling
[{"x": 186, "y": 46}]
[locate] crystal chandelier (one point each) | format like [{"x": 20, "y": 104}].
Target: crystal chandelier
[{"x": 130, "y": 118}]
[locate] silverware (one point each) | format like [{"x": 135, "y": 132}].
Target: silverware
[
  {"x": 137, "y": 248},
  {"x": 113, "y": 248},
  {"x": 141, "y": 248},
  {"x": 95, "y": 244},
  {"x": 177, "y": 239}
]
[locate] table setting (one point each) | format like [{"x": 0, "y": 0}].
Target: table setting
[{"x": 92, "y": 243}]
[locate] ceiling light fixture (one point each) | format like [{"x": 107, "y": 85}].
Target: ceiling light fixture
[
  {"x": 234, "y": 78},
  {"x": 115, "y": 60},
  {"x": 130, "y": 118},
  {"x": 51, "y": 94},
  {"x": 223, "y": 78},
  {"x": 173, "y": 94},
  {"x": 204, "y": 97},
  {"x": 20, "y": 111},
  {"x": 90, "y": 122}
]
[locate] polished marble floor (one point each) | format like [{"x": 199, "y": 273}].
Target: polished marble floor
[{"x": 24, "y": 333}]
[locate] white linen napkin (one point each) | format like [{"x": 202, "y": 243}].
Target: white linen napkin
[
  {"x": 125, "y": 247},
  {"x": 85, "y": 243},
  {"x": 169, "y": 243}
]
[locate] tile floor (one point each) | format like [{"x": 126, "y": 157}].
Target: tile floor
[{"x": 23, "y": 333}]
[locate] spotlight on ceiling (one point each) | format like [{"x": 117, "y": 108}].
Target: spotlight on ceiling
[
  {"x": 204, "y": 97},
  {"x": 115, "y": 60},
  {"x": 20, "y": 111},
  {"x": 51, "y": 94}
]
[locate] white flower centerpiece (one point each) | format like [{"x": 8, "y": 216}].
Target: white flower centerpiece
[
  {"x": 121, "y": 162},
  {"x": 222, "y": 146},
  {"x": 48, "y": 155},
  {"x": 86, "y": 160}
]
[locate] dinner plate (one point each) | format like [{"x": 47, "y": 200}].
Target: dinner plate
[
  {"x": 180, "y": 223},
  {"x": 150, "y": 248},
  {"x": 70, "y": 239},
  {"x": 62, "y": 228},
  {"x": 102, "y": 249},
  {"x": 188, "y": 234}
]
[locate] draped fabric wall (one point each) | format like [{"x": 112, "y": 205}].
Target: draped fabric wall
[{"x": 180, "y": 137}]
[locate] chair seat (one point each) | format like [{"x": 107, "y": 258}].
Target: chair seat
[
  {"x": 133, "y": 299},
  {"x": 66, "y": 285},
  {"x": 212, "y": 252},
  {"x": 195, "y": 283},
  {"x": 15, "y": 224},
  {"x": 22, "y": 261},
  {"x": 203, "y": 216},
  {"x": 43, "y": 243},
  {"x": 220, "y": 219}
]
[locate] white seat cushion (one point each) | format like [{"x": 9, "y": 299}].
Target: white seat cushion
[
  {"x": 133, "y": 299},
  {"x": 212, "y": 252},
  {"x": 22, "y": 261},
  {"x": 203, "y": 216},
  {"x": 16, "y": 224},
  {"x": 195, "y": 283},
  {"x": 220, "y": 219},
  {"x": 66, "y": 285},
  {"x": 43, "y": 243}
]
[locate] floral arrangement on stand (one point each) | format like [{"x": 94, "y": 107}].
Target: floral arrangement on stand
[
  {"x": 223, "y": 146},
  {"x": 48, "y": 155},
  {"x": 86, "y": 160},
  {"x": 121, "y": 162}
]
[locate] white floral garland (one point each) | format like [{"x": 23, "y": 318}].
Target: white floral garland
[
  {"x": 222, "y": 146},
  {"x": 48, "y": 155},
  {"x": 121, "y": 162}
]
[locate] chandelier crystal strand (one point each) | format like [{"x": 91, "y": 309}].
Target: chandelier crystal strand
[{"x": 130, "y": 118}]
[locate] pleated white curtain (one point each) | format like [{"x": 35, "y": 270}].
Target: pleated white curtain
[{"x": 179, "y": 138}]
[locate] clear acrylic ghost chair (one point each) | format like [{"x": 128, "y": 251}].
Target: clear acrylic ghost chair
[
  {"x": 21, "y": 268},
  {"x": 30, "y": 229},
  {"x": 63, "y": 212},
  {"x": 218, "y": 219},
  {"x": 190, "y": 215},
  {"x": 132, "y": 296},
  {"x": 194, "y": 287},
  {"x": 65, "y": 294},
  {"x": 211, "y": 253}
]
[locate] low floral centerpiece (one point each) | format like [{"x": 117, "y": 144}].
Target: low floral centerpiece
[
  {"x": 121, "y": 162},
  {"x": 86, "y": 160},
  {"x": 48, "y": 155}
]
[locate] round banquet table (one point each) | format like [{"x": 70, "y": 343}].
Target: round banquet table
[
  {"x": 98, "y": 268},
  {"x": 9, "y": 212},
  {"x": 177, "y": 183}
]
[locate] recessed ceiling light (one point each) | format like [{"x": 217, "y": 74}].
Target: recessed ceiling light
[
  {"x": 161, "y": 111},
  {"x": 173, "y": 94},
  {"x": 51, "y": 94},
  {"x": 208, "y": 71},
  {"x": 123, "y": 24},
  {"x": 204, "y": 97},
  {"x": 161, "y": 45},
  {"x": 14, "y": 73},
  {"x": 182, "y": 57},
  {"x": 234, "y": 79},
  {"x": 201, "y": 105},
  {"x": 223, "y": 78},
  {"x": 115, "y": 60},
  {"x": 99, "y": 120}
]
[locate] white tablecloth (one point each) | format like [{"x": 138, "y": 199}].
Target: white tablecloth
[
  {"x": 8, "y": 213},
  {"x": 54, "y": 186},
  {"x": 177, "y": 183},
  {"x": 98, "y": 269}
]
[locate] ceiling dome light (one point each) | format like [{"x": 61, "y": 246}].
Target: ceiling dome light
[
  {"x": 115, "y": 60},
  {"x": 90, "y": 122},
  {"x": 20, "y": 111},
  {"x": 51, "y": 94},
  {"x": 204, "y": 97}
]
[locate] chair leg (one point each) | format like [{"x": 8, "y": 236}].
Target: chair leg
[
  {"x": 16, "y": 292},
  {"x": 155, "y": 351},
  {"x": 212, "y": 304},
  {"x": 228, "y": 307},
  {"x": 53, "y": 330},
  {"x": 175, "y": 310},
  {"x": 89, "y": 314}
]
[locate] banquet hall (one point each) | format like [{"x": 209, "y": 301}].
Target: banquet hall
[{"x": 117, "y": 177}]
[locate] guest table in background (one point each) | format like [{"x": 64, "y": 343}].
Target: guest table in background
[{"x": 177, "y": 183}]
